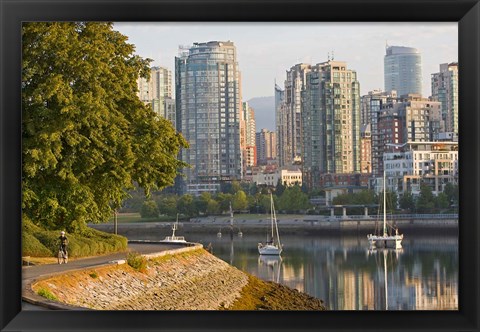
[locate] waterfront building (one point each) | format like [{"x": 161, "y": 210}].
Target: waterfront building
[
  {"x": 372, "y": 105},
  {"x": 208, "y": 102},
  {"x": 266, "y": 143},
  {"x": 403, "y": 70},
  {"x": 289, "y": 115},
  {"x": 331, "y": 118},
  {"x": 288, "y": 176},
  {"x": 431, "y": 163},
  {"x": 411, "y": 118},
  {"x": 157, "y": 90},
  {"x": 445, "y": 90}
]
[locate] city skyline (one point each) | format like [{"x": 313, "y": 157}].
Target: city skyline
[{"x": 267, "y": 50}]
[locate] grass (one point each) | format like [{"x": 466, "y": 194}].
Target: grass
[
  {"x": 135, "y": 217},
  {"x": 47, "y": 294}
]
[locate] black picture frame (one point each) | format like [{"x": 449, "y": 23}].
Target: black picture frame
[{"x": 14, "y": 12}]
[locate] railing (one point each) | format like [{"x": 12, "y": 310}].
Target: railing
[{"x": 394, "y": 216}]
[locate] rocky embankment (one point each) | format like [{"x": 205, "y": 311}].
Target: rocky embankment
[{"x": 192, "y": 280}]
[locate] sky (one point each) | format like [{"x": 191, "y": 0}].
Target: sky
[{"x": 266, "y": 50}]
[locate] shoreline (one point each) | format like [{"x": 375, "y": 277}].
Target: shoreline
[
  {"x": 308, "y": 225},
  {"x": 188, "y": 279}
]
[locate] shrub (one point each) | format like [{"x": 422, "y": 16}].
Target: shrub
[
  {"x": 32, "y": 247},
  {"x": 94, "y": 275},
  {"x": 46, "y": 294},
  {"x": 137, "y": 261}
]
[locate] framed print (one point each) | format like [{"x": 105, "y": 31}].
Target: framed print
[{"x": 240, "y": 79}]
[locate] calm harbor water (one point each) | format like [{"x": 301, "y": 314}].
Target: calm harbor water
[{"x": 346, "y": 275}]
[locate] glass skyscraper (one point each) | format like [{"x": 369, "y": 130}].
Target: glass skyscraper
[
  {"x": 403, "y": 70},
  {"x": 208, "y": 101}
]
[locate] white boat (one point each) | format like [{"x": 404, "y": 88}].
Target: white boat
[
  {"x": 273, "y": 245},
  {"x": 174, "y": 238},
  {"x": 385, "y": 240}
]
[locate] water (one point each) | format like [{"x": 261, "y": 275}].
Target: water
[{"x": 342, "y": 272}]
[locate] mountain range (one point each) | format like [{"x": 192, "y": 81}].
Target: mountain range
[{"x": 264, "y": 112}]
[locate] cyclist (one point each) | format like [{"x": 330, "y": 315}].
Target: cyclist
[{"x": 63, "y": 242}]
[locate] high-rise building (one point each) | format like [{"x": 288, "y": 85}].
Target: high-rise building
[
  {"x": 290, "y": 149},
  {"x": 250, "y": 151},
  {"x": 366, "y": 149},
  {"x": 411, "y": 119},
  {"x": 372, "y": 104},
  {"x": 281, "y": 125},
  {"x": 208, "y": 102},
  {"x": 331, "y": 121},
  {"x": 445, "y": 90},
  {"x": 403, "y": 70},
  {"x": 156, "y": 90},
  {"x": 266, "y": 142}
]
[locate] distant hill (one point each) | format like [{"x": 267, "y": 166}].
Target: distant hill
[{"x": 264, "y": 112}]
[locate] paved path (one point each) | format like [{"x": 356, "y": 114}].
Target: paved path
[{"x": 32, "y": 272}]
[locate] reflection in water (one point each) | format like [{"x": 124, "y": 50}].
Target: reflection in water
[{"x": 343, "y": 273}]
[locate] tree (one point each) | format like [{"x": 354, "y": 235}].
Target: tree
[
  {"x": 224, "y": 201},
  {"x": 87, "y": 138},
  {"x": 212, "y": 207},
  {"x": 426, "y": 200},
  {"x": 407, "y": 202},
  {"x": 149, "y": 209},
  {"x": 185, "y": 205},
  {"x": 167, "y": 205},
  {"x": 442, "y": 201},
  {"x": 280, "y": 188},
  {"x": 201, "y": 203},
  {"x": 239, "y": 201},
  {"x": 293, "y": 200}
]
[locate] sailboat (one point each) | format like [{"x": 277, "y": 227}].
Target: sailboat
[
  {"x": 384, "y": 240},
  {"x": 272, "y": 246},
  {"x": 174, "y": 238}
]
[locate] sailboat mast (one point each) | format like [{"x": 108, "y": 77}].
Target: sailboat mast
[
  {"x": 276, "y": 225},
  {"x": 231, "y": 215},
  {"x": 384, "y": 205},
  {"x": 272, "y": 211},
  {"x": 386, "y": 283}
]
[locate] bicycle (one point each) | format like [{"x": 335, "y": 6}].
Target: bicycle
[{"x": 62, "y": 256}]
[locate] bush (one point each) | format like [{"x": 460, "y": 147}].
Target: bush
[
  {"x": 137, "y": 261},
  {"x": 32, "y": 247},
  {"x": 38, "y": 242},
  {"x": 46, "y": 294}
]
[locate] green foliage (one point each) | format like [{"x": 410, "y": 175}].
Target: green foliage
[
  {"x": 185, "y": 205},
  {"x": 213, "y": 207},
  {"x": 137, "y": 261},
  {"x": 167, "y": 205},
  {"x": 224, "y": 201},
  {"x": 149, "y": 209},
  {"x": 239, "y": 201},
  {"x": 426, "y": 200},
  {"x": 94, "y": 275},
  {"x": 31, "y": 246},
  {"x": 442, "y": 201},
  {"x": 39, "y": 242},
  {"x": 86, "y": 136},
  {"x": 280, "y": 188},
  {"x": 407, "y": 202},
  {"x": 451, "y": 191},
  {"x": 293, "y": 200},
  {"x": 47, "y": 294}
]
